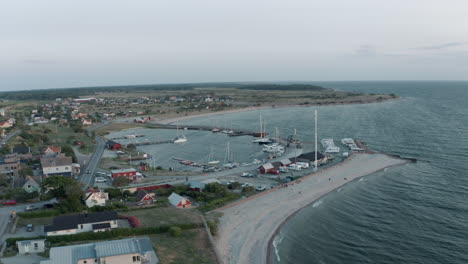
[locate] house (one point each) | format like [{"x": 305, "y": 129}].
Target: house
[
  {"x": 86, "y": 222},
  {"x": 84, "y": 100},
  {"x": 21, "y": 149},
  {"x": 2, "y": 112},
  {"x": 179, "y": 201},
  {"x": 96, "y": 197},
  {"x": 310, "y": 158},
  {"x": 86, "y": 122},
  {"x": 76, "y": 168},
  {"x": 31, "y": 185},
  {"x": 196, "y": 186},
  {"x": 130, "y": 250},
  {"x": 57, "y": 165},
  {"x": 10, "y": 164},
  {"x": 112, "y": 145},
  {"x": 266, "y": 168},
  {"x": 9, "y": 123},
  {"x": 30, "y": 246},
  {"x": 285, "y": 162},
  {"x": 129, "y": 173},
  {"x": 52, "y": 150},
  {"x": 143, "y": 197}
]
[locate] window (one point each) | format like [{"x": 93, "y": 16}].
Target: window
[
  {"x": 29, "y": 186},
  {"x": 84, "y": 261},
  {"x": 81, "y": 226},
  {"x": 136, "y": 258},
  {"x": 36, "y": 245},
  {"x": 66, "y": 168},
  {"x": 56, "y": 169}
]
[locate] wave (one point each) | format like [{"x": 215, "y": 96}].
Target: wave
[
  {"x": 317, "y": 203},
  {"x": 276, "y": 243}
]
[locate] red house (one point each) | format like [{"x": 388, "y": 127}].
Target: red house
[
  {"x": 113, "y": 145},
  {"x": 129, "y": 173},
  {"x": 266, "y": 168},
  {"x": 144, "y": 198}
]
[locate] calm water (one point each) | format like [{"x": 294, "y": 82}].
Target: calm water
[{"x": 417, "y": 213}]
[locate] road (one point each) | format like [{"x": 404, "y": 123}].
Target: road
[
  {"x": 5, "y": 213},
  {"x": 87, "y": 178}
]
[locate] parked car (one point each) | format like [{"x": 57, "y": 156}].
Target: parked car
[
  {"x": 246, "y": 185},
  {"x": 100, "y": 179},
  {"x": 247, "y": 174},
  {"x": 9, "y": 202},
  {"x": 88, "y": 171},
  {"x": 283, "y": 169},
  {"x": 260, "y": 188},
  {"x": 295, "y": 167},
  {"x": 304, "y": 165},
  {"x": 29, "y": 228},
  {"x": 31, "y": 208},
  {"x": 99, "y": 174}
]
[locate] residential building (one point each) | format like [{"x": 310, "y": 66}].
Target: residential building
[
  {"x": 266, "y": 168},
  {"x": 9, "y": 123},
  {"x": 31, "y": 184},
  {"x": 144, "y": 198},
  {"x": 30, "y": 246},
  {"x": 10, "y": 164},
  {"x": 56, "y": 165},
  {"x": 96, "y": 197},
  {"x": 86, "y": 222},
  {"x": 179, "y": 201},
  {"x": 137, "y": 250},
  {"x": 52, "y": 150},
  {"x": 87, "y": 122},
  {"x": 113, "y": 145}
]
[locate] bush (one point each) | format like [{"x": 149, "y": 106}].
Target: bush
[
  {"x": 36, "y": 214},
  {"x": 134, "y": 221},
  {"x": 213, "y": 227},
  {"x": 175, "y": 231}
]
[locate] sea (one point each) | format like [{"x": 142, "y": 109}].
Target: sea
[{"x": 416, "y": 213}]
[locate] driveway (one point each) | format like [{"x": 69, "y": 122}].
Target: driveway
[{"x": 20, "y": 259}]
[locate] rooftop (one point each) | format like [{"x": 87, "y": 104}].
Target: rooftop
[{"x": 67, "y": 222}]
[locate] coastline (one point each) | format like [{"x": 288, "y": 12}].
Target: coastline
[
  {"x": 170, "y": 120},
  {"x": 266, "y": 212}
]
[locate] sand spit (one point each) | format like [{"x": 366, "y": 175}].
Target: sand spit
[{"x": 247, "y": 227}]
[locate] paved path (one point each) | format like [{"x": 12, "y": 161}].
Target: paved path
[{"x": 33, "y": 259}]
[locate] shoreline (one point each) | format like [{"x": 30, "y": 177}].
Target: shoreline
[
  {"x": 272, "y": 238},
  {"x": 170, "y": 120},
  {"x": 252, "y": 243}
]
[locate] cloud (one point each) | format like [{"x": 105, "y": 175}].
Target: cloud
[
  {"x": 365, "y": 51},
  {"x": 441, "y": 46}
]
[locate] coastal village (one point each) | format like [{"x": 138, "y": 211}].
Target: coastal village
[{"x": 72, "y": 192}]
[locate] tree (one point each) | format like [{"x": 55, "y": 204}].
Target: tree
[
  {"x": 26, "y": 172},
  {"x": 66, "y": 189},
  {"x": 121, "y": 181},
  {"x": 214, "y": 187}
]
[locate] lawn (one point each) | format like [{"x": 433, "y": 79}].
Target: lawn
[
  {"x": 192, "y": 246},
  {"x": 163, "y": 216},
  {"x": 35, "y": 221}
]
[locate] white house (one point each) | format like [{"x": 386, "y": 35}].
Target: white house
[
  {"x": 138, "y": 250},
  {"x": 30, "y": 246},
  {"x": 31, "y": 185},
  {"x": 86, "y": 222},
  {"x": 96, "y": 198},
  {"x": 57, "y": 165}
]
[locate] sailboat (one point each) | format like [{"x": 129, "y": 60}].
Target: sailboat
[
  {"x": 179, "y": 139},
  {"x": 227, "y": 158},
  {"x": 262, "y": 139},
  {"x": 211, "y": 160}
]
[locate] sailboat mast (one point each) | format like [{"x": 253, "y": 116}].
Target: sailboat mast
[{"x": 315, "y": 161}]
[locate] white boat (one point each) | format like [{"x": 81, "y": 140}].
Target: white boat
[
  {"x": 211, "y": 160},
  {"x": 130, "y": 136},
  {"x": 332, "y": 149},
  {"x": 180, "y": 139}
]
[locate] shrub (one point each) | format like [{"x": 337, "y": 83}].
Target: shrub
[
  {"x": 134, "y": 221},
  {"x": 36, "y": 214},
  {"x": 175, "y": 231},
  {"x": 213, "y": 227}
]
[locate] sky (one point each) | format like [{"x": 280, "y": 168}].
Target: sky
[{"x": 64, "y": 43}]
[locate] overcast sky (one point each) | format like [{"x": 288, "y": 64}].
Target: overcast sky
[{"x": 52, "y": 44}]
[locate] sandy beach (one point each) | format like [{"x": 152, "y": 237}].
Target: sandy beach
[{"x": 247, "y": 226}]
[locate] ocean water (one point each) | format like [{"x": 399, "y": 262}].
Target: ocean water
[{"x": 417, "y": 213}]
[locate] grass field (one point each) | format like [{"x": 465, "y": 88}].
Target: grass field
[
  {"x": 163, "y": 216},
  {"x": 35, "y": 221},
  {"x": 192, "y": 246}
]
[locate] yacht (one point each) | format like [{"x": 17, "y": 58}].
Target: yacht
[{"x": 181, "y": 139}]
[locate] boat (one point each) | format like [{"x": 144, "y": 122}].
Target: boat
[
  {"x": 215, "y": 130},
  {"x": 211, "y": 160},
  {"x": 130, "y": 136},
  {"x": 179, "y": 139},
  {"x": 262, "y": 139}
]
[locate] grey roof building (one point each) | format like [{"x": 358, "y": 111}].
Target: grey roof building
[{"x": 130, "y": 250}]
